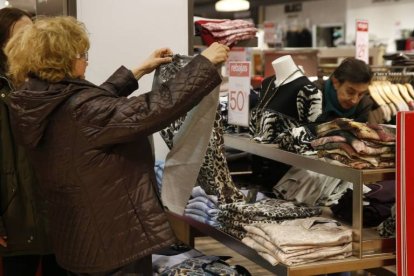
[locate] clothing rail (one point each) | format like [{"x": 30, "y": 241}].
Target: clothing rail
[
  {"x": 394, "y": 78},
  {"x": 405, "y": 70},
  {"x": 383, "y": 71}
]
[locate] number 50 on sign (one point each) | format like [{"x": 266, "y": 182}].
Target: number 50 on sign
[{"x": 239, "y": 90}]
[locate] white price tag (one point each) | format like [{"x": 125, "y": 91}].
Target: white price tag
[
  {"x": 239, "y": 90},
  {"x": 362, "y": 41}
]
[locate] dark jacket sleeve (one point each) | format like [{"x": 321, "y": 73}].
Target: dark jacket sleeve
[
  {"x": 363, "y": 109},
  {"x": 121, "y": 83},
  {"x": 109, "y": 120}
]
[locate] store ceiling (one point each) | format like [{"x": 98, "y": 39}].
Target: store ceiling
[
  {"x": 205, "y": 8},
  {"x": 201, "y": 7}
]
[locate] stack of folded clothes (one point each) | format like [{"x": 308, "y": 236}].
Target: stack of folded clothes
[
  {"x": 358, "y": 145},
  {"x": 234, "y": 216},
  {"x": 300, "y": 241},
  {"x": 405, "y": 59},
  {"x": 227, "y": 32},
  {"x": 202, "y": 207}
]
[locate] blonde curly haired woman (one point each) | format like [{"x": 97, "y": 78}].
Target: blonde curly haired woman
[{"x": 89, "y": 143}]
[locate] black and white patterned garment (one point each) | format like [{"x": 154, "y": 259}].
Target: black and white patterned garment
[
  {"x": 214, "y": 176},
  {"x": 163, "y": 73},
  {"x": 297, "y": 140},
  {"x": 282, "y": 121},
  {"x": 234, "y": 216},
  {"x": 387, "y": 228},
  {"x": 266, "y": 126},
  {"x": 234, "y": 227},
  {"x": 168, "y": 70},
  {"x": 273, "y": 127},
  {"x": 267, "y": 209},
  {"x": 202, "y": 266}
]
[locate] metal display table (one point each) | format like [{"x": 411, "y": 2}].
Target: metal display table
[
  {"x": 369, "y": 249},
  {"x": 321, "y": 267}
]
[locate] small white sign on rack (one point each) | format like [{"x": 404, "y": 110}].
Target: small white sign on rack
[
  {"x": 362, "y": 41},
  {"x": 239, "y": 90},
  {"x": 269, "y": 32}
]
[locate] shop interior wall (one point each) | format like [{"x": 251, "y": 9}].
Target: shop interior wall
[
  {"x": 313, "y": 12},
  {"x": 385, "y": 17},
  {"x": 126, "y": 32}
]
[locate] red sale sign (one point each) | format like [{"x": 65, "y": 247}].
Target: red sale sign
[
  {"x": 405, "y": 192},
  {"x": 239, "y": 90},
  {"x": 362, "y": 41}
]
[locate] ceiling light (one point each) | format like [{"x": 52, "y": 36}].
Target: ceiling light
[
  {"x": 6, "y": 3},
  {"x": 232, "y": 5}
]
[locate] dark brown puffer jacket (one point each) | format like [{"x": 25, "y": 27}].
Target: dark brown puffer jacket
[{"x": 90, "y": 149}]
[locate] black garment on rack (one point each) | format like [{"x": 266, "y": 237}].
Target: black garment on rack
[
  {"x": 292, "y": 39},
  {"x": 305, "y": 38},
  {"x": 302, "y": 38}
]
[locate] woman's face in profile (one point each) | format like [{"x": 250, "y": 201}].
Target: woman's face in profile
[{"x": 79, "y": 66}]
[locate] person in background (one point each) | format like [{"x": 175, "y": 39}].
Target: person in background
[
  {"x": 345, "y": 93},
  {"x": 23, "y": 236},
  {"x": 90, "y": 143}
]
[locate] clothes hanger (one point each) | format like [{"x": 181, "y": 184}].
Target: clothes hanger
[
  {"x": 388, "y": 92},
  {"x": 410, "y": 89},
  {"x": 402, "y": 103},
  {"x": 390, "y": 104},
  {"x": 378, "y": 85},
  {"x": 373, "y": 92},
  {"x": 404, "y": 92},
  {"x": 386, "y": 107},
  {"x": 383, "y": 107}
]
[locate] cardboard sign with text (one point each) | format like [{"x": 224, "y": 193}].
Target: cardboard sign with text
[
  {"x": 239, "y": 90},
  {"x": 362, "y": 41}
]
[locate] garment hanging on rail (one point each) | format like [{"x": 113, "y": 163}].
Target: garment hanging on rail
[
  {"x": 193, "y": 159},
  {"x": 186, "y": 153},
  {"x": 391, "y": 94}
]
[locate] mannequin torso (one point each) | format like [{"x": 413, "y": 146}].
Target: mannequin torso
[{"x": 285, "y": 70}]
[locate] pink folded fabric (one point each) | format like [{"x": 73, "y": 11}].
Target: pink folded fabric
[
  {"x": 225, "y": 33},
  {"x": 227, "y": 25}
]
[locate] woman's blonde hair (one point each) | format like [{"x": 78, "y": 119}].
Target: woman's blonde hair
[{"x": 46, "y": 49}]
